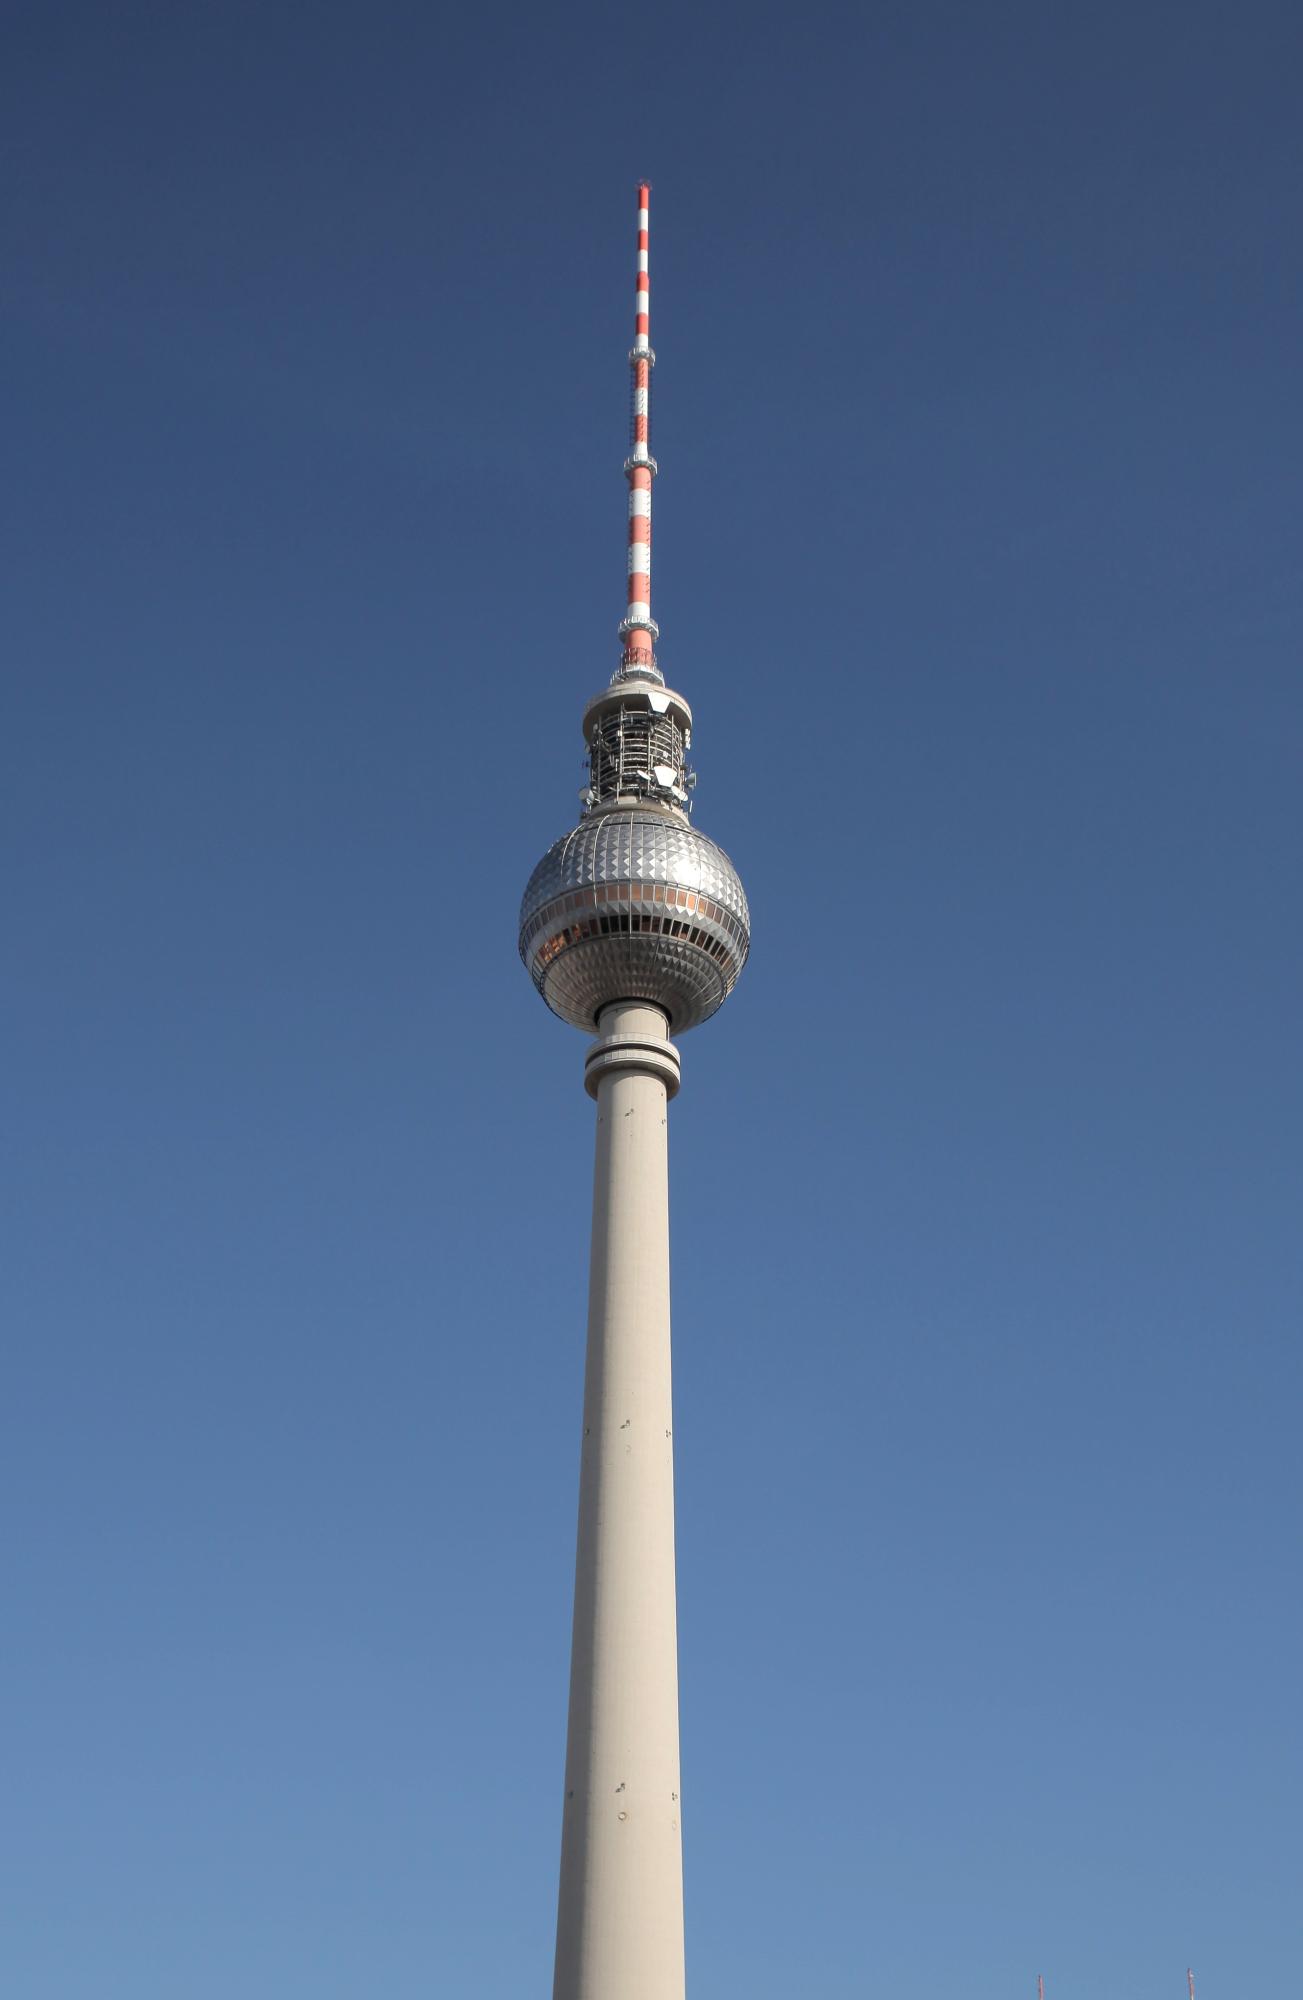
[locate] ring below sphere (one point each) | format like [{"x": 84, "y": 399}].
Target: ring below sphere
[{"x": 635, "y": 904}]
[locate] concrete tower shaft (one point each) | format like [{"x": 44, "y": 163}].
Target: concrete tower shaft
[{"x": 620, "y": 1906}]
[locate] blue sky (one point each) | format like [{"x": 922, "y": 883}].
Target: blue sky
[{"x": 982, "y": 467}]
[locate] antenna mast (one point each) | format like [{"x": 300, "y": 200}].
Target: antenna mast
[
  {"x": 1190, "y": 1981},
  {"x": 638, "y": 629}
]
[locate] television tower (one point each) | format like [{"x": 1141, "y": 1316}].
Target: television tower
[{"x": 633, "y": 926}]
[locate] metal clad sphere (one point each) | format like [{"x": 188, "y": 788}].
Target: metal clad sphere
[{"x": 635, "y": 904}]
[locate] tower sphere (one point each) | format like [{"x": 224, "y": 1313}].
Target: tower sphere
[{"x": 635, "y": 904}]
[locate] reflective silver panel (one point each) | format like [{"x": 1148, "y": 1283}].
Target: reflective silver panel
[{"x": 635, "y": 904}]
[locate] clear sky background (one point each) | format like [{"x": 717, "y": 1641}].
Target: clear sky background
[{"x": 978, "y": 535}]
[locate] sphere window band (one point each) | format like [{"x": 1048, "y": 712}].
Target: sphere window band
[
  {"x": 626, "y": 925},
  {"x": 637, "y": 892},
  {"x": 652, "y": 892}
]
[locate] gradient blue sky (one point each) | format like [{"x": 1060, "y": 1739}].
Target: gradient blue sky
[{"x": 981, "y": 439}]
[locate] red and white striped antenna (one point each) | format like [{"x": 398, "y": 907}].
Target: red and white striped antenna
[
  {"x": 1190, "y": 1981},
  {"x": 1040, "y": 1986},
  {"x": 638, "y": 629}
]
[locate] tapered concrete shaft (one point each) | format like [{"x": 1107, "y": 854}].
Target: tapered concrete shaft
[{"x": 620, "y": 1915}]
